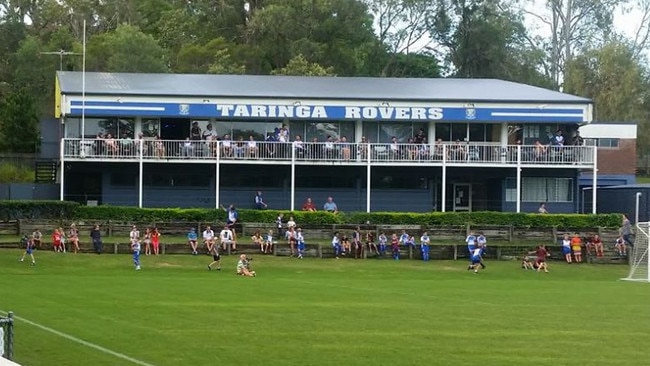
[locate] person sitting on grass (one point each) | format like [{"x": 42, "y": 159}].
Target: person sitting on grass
[
  {"x": 540, "y": 261},
  {"x": 244, "y": 267},
  {"x": 526, "y": 263},
  {"x": 620, "y": 246}
]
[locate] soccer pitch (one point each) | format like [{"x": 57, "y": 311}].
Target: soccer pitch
[{"x": 97, "y": 310}]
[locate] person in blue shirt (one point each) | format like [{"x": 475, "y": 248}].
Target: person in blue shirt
[
  {"x": 30, "y": 247},
  {"x": 135, "y": 247},
  {"x": 383, "y": 240},
  {"x": 192, "y": 238},
  {"x": 475, "y": 260},
  {"x": 259, "y": 201},
  {"x": 330, "y": 206},
  {"x": 424, "y": 246}
]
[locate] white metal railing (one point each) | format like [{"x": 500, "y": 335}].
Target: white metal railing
[{"x": 449, "y": 153}]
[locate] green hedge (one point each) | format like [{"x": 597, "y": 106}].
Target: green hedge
[{"x": 12, "y": 210}]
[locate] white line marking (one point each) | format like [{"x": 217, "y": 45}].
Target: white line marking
[
  {"x": 120, "y": 108},
  {"x": 80, "y": 341}
]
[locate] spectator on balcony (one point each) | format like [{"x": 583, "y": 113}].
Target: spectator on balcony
[
  {"x": 299, "y": 147},
  {"x": 226, "y": 146},
  {"x": 283, "y": 134},
  {"x": 362, "y": 148},
  {"x": 329, "y": 148},
  {"x": 159, "y": 147},
  {"x": 539, "y": 151},
  {"x": 394, "y": 148},
  {"x": 315, "y": 149},
  {"x": 439, "y": 150},
  {"x": 252, "y": 147},
  {"x": 195, "y": 132},
  {"x": 111, "y": 145},
  {"x": 330, "y": 206},
  {"x": 208, "y": 133},
  {"x": 412, "y": 149},
  {"x": 344, "y": 147},
  {"x": 557, "y": 139},
  {"x": 420, "y": 137},
  {"x": 271, "y": 139},
  {"x": 457, "y": 151},
  {"x": 240, "y": 147},
  {"x": 187, "y": 148},
  {"x": 309, "y": 206},
  {"x": 126, "y": 145},
  {"x": 424, "y": 151}
]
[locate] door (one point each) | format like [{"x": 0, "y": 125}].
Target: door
[
  {"x": 174, "y": 128},
  {"x": 462, "y": 197}
]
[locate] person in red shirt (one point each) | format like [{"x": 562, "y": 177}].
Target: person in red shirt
[
  {"x": 57, "y": 245},
  {"x": 309, "y": 206},
  {"x": 540, "y": 261},
  {"x": 598, "y": 245},
  {"x": 155, "y": 241}
]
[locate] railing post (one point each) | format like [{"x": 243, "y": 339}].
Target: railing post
[{"x": 443, "y": 203}]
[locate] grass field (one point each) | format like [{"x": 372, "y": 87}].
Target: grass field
[{"x": 320, "y": 312}]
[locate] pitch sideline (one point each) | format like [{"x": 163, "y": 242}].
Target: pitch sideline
[{"x": 80, "y": 341}]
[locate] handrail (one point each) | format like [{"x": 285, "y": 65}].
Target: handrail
[{"x": 343, "y": 152}]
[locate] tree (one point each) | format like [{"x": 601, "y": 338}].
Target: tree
[
  {"x": 483, "y": 38},
  {"x": 335, "y": 33},
  {"x": 213, "y": 57},
  {"x": 572, "y": 25},
  {"x": 34, "y": 72},
  {"x": 126, "y": 49},
  {"x": 618, "y": 85},
  {"x": 299, "y": 66},
  {"x": 19, "y": 123},
  {"x": 402, "y": 26}
]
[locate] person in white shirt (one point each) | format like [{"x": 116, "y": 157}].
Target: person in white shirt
[
  {"x": 252, "y": 147},
  {"x": 134, "y": 236},
  {"x": 226, "y": 239},
  {"x": 208, "y": 238}
]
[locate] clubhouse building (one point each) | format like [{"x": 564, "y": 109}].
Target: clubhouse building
[{"x": 372, "y": 144}]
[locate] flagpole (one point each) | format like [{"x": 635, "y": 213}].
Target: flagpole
[{"x": 83, "y": 85}]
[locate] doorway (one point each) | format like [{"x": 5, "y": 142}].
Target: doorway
[
  {"x": 462, "y": 197},
  {"x": 174, "y": 128}
]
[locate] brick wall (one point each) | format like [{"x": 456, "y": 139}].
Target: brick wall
[{"x": 621, "y": 160}]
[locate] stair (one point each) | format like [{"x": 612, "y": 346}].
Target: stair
[{"x": 45, "y": 171}]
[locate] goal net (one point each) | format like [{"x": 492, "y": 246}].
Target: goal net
[{"x": 639, "y": 259}]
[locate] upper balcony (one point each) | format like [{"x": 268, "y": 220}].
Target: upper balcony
[{"x": 325, "y": 153}]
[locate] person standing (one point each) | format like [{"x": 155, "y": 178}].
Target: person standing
[
  {"x": 29, "y": 250},
  {"x": 566, "y": 248},
  {"x": 57, "y": 241},
  {"x": 336, "y": 245},
  {"x": 135, "y": 247},
  {"x": 155, "y": 241},
  {"x": 300, "y": 243},
  {"x": 626, "y": 230},
  {"x": 134, "y": 235},
  {"x": 259, "y": 201},
  {"x": 278, "y": 224},
  {"x": 192, "y": 239},
  {"x": 424, "y": 246},
  {"x": 233, "y": 216},
  {"x": 216, "y": 258},
  {"x": 147, "y": 241},
  {"x": 96, "y": 237}
]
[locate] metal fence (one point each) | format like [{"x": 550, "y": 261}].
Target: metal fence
[{"x": 7, "y": 336}]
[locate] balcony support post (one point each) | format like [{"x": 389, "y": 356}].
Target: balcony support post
[
  {"x": 62, "y": 169},
  {"x": 594, "y": 183},
  {"x": 217, "y": 177},
  {"x": 518, "y": 200},
  {"x": 140, "y": 171},
  {"x": 443, "y": 204},
  {"x": 293, "y": 177},
  {"x": 368, "y": 176}
]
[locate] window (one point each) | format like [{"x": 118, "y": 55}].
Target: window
[
  {"x": 117, "y": 127},
  {"x": 150, "y": 127},
  {"x": 605, "y": 143},
  {"x": 321, "y": 130},
  {"x": 382, "y": 132},
  {"x": 540, "y": 189}
]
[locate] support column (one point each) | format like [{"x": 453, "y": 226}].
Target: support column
[
  {"x": 368, "y": 176},
  {"x": 293, "y": 178},
  {"x": 217, "y": 176},
  {"x": 443, "y": 204},
  {"x": 503, "y": 151},
  {"x": 594, "y": 183},
  {"x": 61, "y": 170},
  {"x": 518, "y": 179},
  {"x": 140, "y": 172},
  {"x": 431, "y": 134}
]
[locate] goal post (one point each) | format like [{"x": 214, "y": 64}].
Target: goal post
[
  {"x": 7, "y": 336},
  {"x": 639, "y": 258}
]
